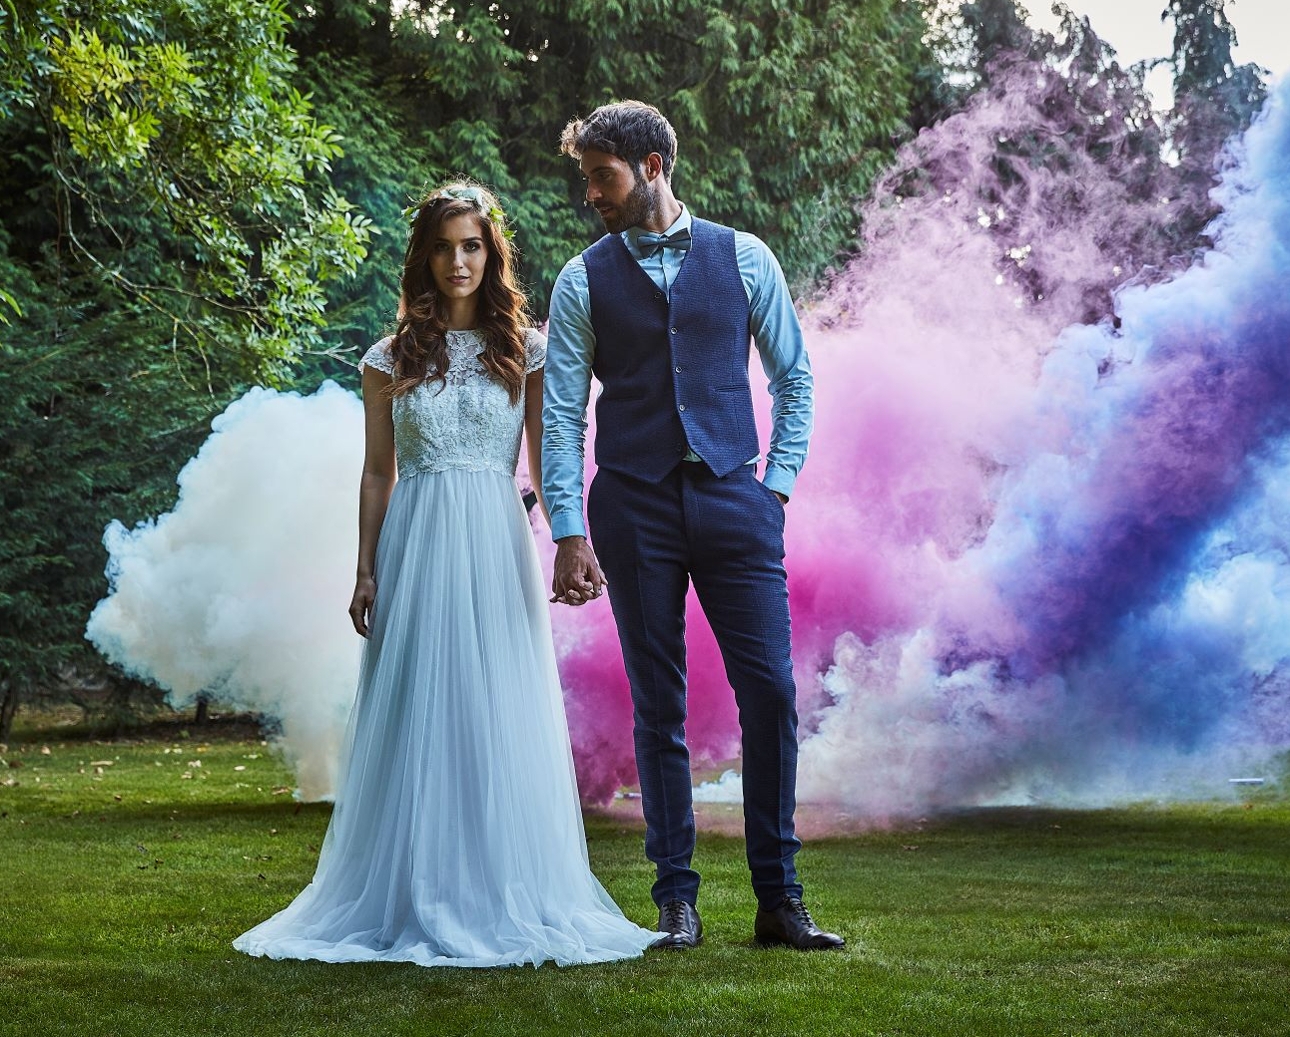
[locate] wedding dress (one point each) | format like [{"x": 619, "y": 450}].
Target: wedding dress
[{"x": 456, "y": 838}]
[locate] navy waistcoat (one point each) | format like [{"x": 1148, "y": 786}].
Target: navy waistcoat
[{"x": 674, "y": 371}]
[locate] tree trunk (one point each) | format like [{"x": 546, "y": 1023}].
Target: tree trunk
[
  {"x": 8, "y": 707},
  {"x": 201, "y": 718}
]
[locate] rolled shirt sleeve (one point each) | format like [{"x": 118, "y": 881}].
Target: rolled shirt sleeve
[
  {"x": 566, "y": 388},
  {"x": 778, "y": 338}
]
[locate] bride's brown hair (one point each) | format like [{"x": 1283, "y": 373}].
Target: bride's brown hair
[{"x": 420, "y": 345}]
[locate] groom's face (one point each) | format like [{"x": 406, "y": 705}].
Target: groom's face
[{"x": 618, "y": 190}]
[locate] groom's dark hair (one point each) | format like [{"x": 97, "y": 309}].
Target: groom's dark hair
[{"x": 630, "y": 130}]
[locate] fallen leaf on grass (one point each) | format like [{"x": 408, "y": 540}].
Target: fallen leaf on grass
[
  {"x": 281, "y": 790},
  {"x": 102, "y": 763},
  {"x": 46, "y": 751},
  {"x": 909, "y": 847}
]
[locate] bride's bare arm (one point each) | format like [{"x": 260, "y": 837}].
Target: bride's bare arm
[
  {"x": 533, "y": 434},
  {"x": 379, "y": 474}
]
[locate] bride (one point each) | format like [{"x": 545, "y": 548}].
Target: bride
[{"x": 456, "y": 837}]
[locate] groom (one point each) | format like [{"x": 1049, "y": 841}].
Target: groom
[{"x": 661, "y": 310}]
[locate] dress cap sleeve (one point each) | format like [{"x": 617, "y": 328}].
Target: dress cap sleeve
[
  {"x": 379, "y": 357},
  {"x": 534, "y": 350}
]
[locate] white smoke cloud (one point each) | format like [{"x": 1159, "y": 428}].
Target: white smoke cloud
[{"x": 241, "y": 591}]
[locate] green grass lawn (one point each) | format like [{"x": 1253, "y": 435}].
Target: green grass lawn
[{"x": 128, "y": 869}]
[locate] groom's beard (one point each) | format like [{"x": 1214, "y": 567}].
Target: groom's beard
[{"x": 635, "y": 210}]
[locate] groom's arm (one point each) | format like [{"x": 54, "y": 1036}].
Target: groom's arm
[
  {"x": 566, "y": 387},
  {"x": 777, "y": 334},
  {"x": 571, "y": 346}
]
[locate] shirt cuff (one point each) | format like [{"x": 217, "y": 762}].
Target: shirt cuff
[
  {"x": 781, "y": 480},
  {"x": 567, "y": 524}
]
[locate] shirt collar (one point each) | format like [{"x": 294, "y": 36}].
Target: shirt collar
[{"x": 630, "y": 235}]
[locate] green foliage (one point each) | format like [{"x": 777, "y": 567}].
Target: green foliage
[
  {"x": 98, "y": 406},
  {"x": 784, "y": 111},
  {"x": 168, "y": 234},
  {"x": 183, "y": 115}
]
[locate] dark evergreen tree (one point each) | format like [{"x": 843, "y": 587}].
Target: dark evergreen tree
[{"x": 1214, "y": 98}]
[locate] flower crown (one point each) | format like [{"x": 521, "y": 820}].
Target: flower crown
[{"x": 476, "y": 196}]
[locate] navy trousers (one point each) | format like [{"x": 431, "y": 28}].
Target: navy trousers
[{"x": 727, "y": 535}]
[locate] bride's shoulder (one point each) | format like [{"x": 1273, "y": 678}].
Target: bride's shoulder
[
  {"x": 534, "y": 350},
  {"x": 379, "y": 356}
]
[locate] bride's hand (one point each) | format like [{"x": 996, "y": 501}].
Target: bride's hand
[{"x": 360, "y": 606}]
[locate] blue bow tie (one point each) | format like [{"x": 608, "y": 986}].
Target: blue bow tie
[{"x": 649, "y": 244}]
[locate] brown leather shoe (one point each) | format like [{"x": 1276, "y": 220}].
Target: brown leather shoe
[
  {"x": 788, "y": 923},
  {"x": 681, "y": 926}
]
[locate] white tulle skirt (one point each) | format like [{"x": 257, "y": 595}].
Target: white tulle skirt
[{"x": 456, "y": 837}]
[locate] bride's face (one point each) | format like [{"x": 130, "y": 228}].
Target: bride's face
[{"x": 458, "y": 256}]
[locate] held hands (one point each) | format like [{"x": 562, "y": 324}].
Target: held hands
[
  {"x": 577, "y": 577},
  {"x": 360, "y": 606}
]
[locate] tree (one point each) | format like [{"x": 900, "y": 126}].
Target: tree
[
  {"x": 785, "y": 112},
  {"x": 168, "y": 235},
  {"x": 1214, "y": 98},
  {"x": 1066, "y": 138},
  {"x": 97, "y": 410},
  {"x": 182, "y": 115}
]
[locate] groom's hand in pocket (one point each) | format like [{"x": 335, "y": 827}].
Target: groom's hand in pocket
[{"x": 576, "y": 578}]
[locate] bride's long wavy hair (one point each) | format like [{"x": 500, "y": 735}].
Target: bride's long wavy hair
[{"x": 420, "y": 345}]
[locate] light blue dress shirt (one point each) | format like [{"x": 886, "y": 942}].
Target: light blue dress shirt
[{"x": 571, "y": 347}]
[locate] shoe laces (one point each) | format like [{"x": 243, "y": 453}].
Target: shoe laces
[
  {"x": 798, "y": 910},
  {"x": 674, "y": 914}
]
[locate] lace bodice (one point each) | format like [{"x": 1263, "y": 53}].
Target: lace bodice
[{"x": 469, "y": 422}]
